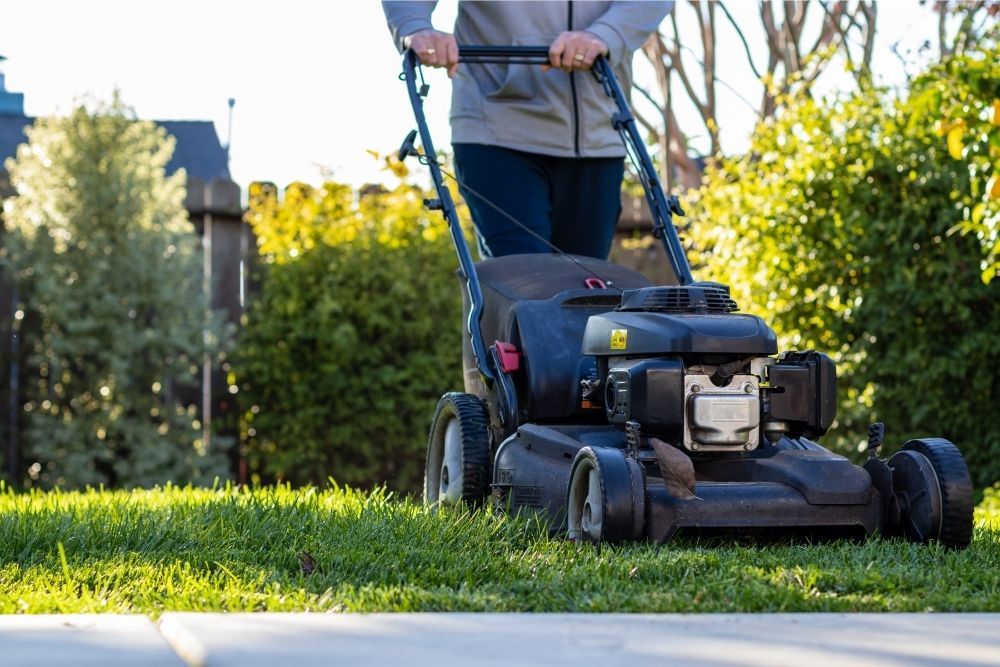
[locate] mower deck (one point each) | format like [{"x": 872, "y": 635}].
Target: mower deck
[
  {"x": 753, "y": 507},
  {"x": 793, "y": 485}
]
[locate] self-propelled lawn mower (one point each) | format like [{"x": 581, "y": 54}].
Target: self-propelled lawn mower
[{"x": 620, "y": 410}]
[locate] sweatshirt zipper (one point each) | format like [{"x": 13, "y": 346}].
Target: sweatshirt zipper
[{"x": 576, "y": 106}]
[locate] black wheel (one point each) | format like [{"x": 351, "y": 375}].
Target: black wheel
[
  {"x": 458, "y": 452},
  {"x": 606, "y": 498},
  {"x": 933, "y": 492}
]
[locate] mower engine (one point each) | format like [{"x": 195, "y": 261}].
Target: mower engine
[{"x": 679, "y": 364}]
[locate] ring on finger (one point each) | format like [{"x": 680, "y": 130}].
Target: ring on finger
[
  {"x": 578, "y": 57},
  {"x": 430, "y": 52}
]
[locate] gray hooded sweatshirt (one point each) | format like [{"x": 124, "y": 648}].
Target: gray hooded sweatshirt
[{"x": 520, "y": 106}]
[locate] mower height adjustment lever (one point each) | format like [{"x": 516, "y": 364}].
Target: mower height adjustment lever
[
  {"x": 675, "y": 205},
  {"x": 876, "y": 434},
  {"x": 408, "y": 148}
]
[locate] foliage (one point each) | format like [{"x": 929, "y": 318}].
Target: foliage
[
  {"x": 990, "y": 505},
  {"x": 236, "y": 550},
  {"x": 834, "y": 227},
  {"x": 966, "y": 26},
  {"x": 112, "y": 314},
  {"x": 353, "y": 336},
  {"x": 962, "y": 97}
]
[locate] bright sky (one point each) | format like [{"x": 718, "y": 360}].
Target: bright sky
[{"x": 315, "y": 81}]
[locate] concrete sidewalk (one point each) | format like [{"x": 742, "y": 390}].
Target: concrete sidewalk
[
  {"x": 85, "y": 640},
  {"x": 524, "y": 640}
]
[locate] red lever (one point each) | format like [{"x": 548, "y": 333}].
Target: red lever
[
  {"x": 509, "y": 357},
  {"x": 594, "y": 283}
]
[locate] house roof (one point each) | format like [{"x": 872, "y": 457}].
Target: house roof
[
  {"x": 198, "y": 149},
  {"x": 11, "y": 134}
]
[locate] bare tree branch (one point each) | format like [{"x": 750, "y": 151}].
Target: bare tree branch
[
  {"x": 644, "y": 92},
  {"x": 795, "y": 16},
  {"x": 966, "y": 34},
  {"x": 708, "y": 44},
  {"x": 793, "y": 61},
  {"x": 672, "y": 141},
  {"x": 739, "y": 32},
  {"x": 678, "y": 65},
  {"x": 652, "y": 129},
  {"x": 943, "y": 47},
  {"x": 835, "y": 19},
  {"x": 770, "y": 29},
  {"x": 774, "y": 57},
  {"x": 830, "y": 22},
  {"x": 870, "y": 11},
  {"x": 655, "y": 49},
  {"x": 725, "y": 83}
]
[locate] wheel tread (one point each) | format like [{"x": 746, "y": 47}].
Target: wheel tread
[
  {"x": 622, "y": 493},
  {"x": 474, "y": 430},
  {"x": 475, "y": 446},
  {"x": 956, "y": 489}
]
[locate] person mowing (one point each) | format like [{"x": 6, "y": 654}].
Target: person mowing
[{"x": 536, "y": 142}]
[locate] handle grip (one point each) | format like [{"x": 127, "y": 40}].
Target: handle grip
[{"x": 526, "y": 55}]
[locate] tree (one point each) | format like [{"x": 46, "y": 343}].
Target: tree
[
  {"x": 802, "y": 40},
  {"x": 353, "y": 336},
  {"x": 835, "y": 228},
  {"x": 113, "y": 311},
  {"x": 794, "y": 54},
  {"x": 965, "y": 113},
  {"x": 973, "y": 19}
]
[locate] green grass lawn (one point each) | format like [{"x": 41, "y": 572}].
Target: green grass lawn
[{"x": 237, "y": 550}]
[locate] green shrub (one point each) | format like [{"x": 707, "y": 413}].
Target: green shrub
[
  {"x": 835, "y": 228},
  {"x": 113, "y": 315},
  {"x": 962, "y": 98},
  {"x": 352, "y": 338},
  {"x": 990, "y": 506}
]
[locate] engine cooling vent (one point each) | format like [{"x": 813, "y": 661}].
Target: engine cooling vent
[{"x": 703, "y": 297}]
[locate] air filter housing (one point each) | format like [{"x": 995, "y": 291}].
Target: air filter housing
[{"x": 700, "y": 297}]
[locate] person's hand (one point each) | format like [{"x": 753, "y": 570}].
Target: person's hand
[
  {"x": 576, "y": 50},
  {"x": 435, "y": 49}
]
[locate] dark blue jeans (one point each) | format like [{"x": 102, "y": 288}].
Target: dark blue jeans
[{"x": 574, "y": 203}]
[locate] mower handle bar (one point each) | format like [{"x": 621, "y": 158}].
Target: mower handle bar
[
  {"x": 661, "y": 207},
  {"x": 524, "y": 55}
]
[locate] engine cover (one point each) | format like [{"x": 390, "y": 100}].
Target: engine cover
[{"x": 634, "y": 333}]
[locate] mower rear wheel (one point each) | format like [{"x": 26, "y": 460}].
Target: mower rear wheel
[
  {"x": 933, "y": 492},
  {"x": 606, "y": 498},
  {"x": 458, "y": 452}
]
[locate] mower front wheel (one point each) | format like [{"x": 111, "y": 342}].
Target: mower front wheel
[
  {"x": 458, "y": 452},
  {"x": 606, "y": 499},
  {"x": 933, "y": 492}
]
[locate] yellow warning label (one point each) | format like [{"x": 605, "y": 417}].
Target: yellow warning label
[{"x": 619, "y": 339}]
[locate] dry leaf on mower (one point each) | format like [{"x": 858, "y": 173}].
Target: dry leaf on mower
[{"x": 676, "y": 468}]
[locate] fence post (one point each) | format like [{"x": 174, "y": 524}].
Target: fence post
[{"x": 13, "y": 446}]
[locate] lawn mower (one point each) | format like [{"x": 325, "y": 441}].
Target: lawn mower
[{"x": 619, "y": 410}]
